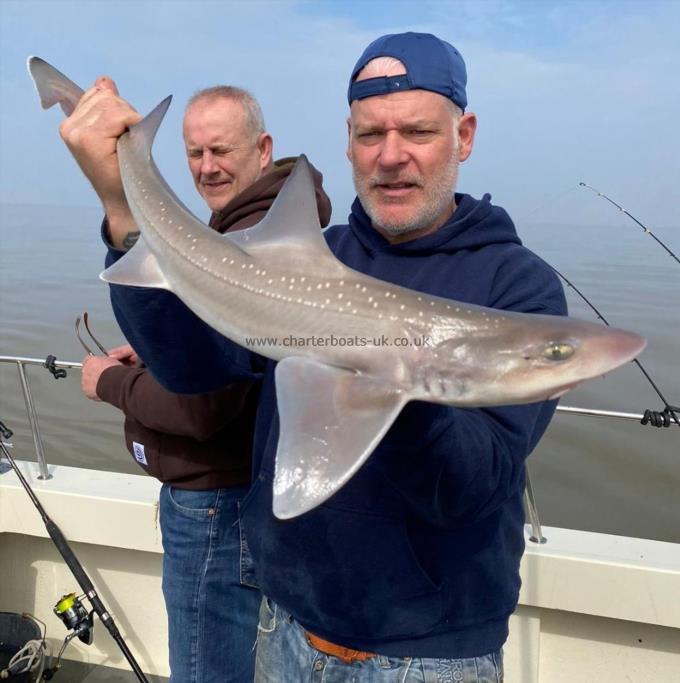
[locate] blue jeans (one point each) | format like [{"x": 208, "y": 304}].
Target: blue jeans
[
  {"x": 209, "y": 587},
  {"x": 284, "y": 655}
]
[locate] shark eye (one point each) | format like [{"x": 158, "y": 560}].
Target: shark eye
[{"x": 558, "y": 351}]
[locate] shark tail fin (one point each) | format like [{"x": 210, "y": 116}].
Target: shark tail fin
[{"x": 52, "y": 86}]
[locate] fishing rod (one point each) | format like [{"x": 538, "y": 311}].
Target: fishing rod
[
  {"x": 69, "y": 609},
  {"x": 630, "y": 215},
  {"x": 653, "y": 417}
]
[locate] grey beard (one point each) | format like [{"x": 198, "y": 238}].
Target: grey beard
[{"x": 437, "y": 199}]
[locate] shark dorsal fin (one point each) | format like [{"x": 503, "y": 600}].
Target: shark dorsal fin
[
  {"x": 292, "y": 220},
  {"x": 141, "y": 135}
]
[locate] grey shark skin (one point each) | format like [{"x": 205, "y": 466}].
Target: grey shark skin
[{"x": 279, "y": 280}]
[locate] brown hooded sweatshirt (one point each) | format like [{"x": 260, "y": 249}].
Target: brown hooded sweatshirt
[{"x": 200, "y": 441}]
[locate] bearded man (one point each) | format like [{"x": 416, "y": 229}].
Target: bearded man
[{"x": 409, "y": 572}]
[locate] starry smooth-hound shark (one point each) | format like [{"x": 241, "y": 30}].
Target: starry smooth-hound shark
[{"x": 280, "y": 283}]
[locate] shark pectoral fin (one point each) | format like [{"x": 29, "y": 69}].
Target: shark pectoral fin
[
  {"x": 52, "y": 86},
  {"x": 292, "y": 221},
  {"x": 138, "y": 268},
  {"x": 331, "y": 420}
]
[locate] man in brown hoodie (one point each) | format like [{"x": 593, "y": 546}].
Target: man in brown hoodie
[{"x": 198, "y": 445}]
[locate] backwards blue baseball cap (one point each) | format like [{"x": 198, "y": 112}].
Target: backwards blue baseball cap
[{"x": 431, "y": 64}]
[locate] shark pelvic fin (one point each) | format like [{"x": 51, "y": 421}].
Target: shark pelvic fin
[
  {"x": 138, "y": 268},
  {"x": 292, "y": 221},
  {"x": 52, "y": 86},
  {"x": 331, "y": 420}
]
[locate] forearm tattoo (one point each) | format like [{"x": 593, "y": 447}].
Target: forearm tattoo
[{"x": 130, "y": 239}]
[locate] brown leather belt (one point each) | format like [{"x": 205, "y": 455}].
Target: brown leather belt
[{"x": 346, "y": 654}]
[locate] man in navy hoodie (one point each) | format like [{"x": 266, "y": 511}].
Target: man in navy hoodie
[{"x": 411, "y": 571}]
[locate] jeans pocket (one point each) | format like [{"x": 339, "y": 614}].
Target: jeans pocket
[
  {"x": 267, "y": 619},
  {"x": 193, "y": 504}
]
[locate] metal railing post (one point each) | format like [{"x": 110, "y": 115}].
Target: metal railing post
[
  {"x": 532, "y": 512},
  {"x": 33, "y": 419}
]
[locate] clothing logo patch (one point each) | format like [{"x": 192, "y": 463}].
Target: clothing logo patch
[{"x": 138, "y": 449}]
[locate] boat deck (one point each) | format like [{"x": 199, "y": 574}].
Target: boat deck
[{"x": 593, "y": 607}]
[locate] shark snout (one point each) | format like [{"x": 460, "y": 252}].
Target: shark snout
[{"x": 614, "y": 348}]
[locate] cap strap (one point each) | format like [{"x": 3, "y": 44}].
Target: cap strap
[{"x": 382, "y": 85}]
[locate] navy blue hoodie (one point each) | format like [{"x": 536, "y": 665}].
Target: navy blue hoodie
[{"x": 418, "y": 554}]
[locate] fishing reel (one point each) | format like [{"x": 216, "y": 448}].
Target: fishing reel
[{"x": 76, "y": 618}]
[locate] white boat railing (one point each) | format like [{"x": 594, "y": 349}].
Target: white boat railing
[{"x": 54, "y": 365}]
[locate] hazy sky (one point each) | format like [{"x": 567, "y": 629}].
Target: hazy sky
[{"x": 564, "y": 91}]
